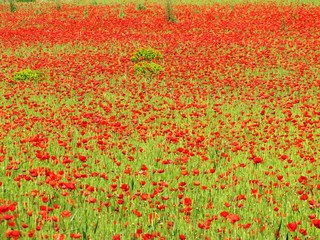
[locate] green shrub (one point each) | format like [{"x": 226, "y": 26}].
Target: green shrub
[
  {"x": 13, "y": 7},
  {"x": 147, "y": 69},
  {"x": 141, "y": 6},
  {"x": 25, "y": 1},
  {"x": 28, "y": 75},
  {"x": 145, "y": 62},
  {"x": 121, "y": 11},
  {"x": 169, "y": 11},
  {"x": 146, "y": 54},
  {"x": 58, "y": 4}
]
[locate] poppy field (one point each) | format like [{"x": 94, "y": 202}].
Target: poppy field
[{"x": 215, "y": 136}]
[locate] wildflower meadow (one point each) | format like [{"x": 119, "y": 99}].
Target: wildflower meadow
[{"x": 159, "y": 120}]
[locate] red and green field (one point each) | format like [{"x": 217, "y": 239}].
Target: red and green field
[{"x": 224, "y": 143}]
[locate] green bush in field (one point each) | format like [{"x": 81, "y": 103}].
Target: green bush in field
[
  {"x": 141, "y": 6},
  {"x": 169, "y": 11},
  {"x": 28, "y": 75},
  {"x": 147, "y": 69},
  {"x": 146, "y": 54},
  {"x": 13, "y": 7},
  {"x": 25, "y": 1},
  {"x": 145, "y": 62}
]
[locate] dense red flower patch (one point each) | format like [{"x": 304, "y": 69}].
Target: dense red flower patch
[{"x": 223, "y": 144}]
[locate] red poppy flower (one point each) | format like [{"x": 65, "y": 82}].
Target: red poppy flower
[
  {"x": 233, "y": 218},
  {"x": 14, "y": 234},
  {"x": 58, "y": 237},
  {"x": 66, "y": 213},
  {"x": 116, "y": 237},
  {"x": 187, "y": 201},
  {"x": 316, "y": 222},
  {"x": 257, "y": 160},
  {"x": 224, "y": 214},
  {"x": 75, "y": 235},
  {"x": 292, "y": 226}
]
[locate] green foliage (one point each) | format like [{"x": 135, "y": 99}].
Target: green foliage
[
  {"x": 147, "y": 69},
  {"x": 145, "y": 62},
  {"x": 58, "y": 5},
  {"x": 28, "y": 75},
  {"x": 141, "y": 6},
  {"x": 13, "y": 7},
  {"x": 169, "y": 11},
  {"x": 146, "y": 54},
  {"x": 25, "y": 1},
  {"x": 121, "y": 11},
  {"x": 86, "y": 12}
]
